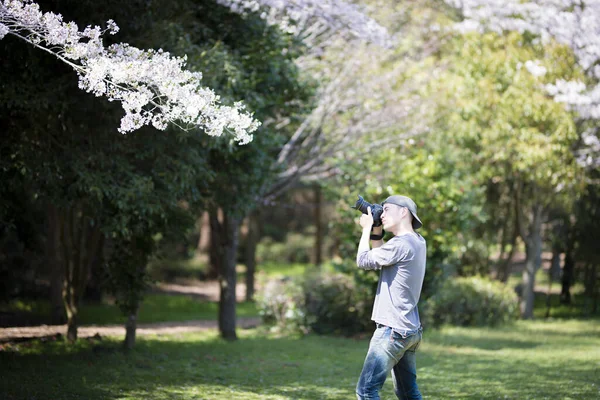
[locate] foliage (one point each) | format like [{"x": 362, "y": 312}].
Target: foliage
[
  {"x": 337, "y": 304},
  {"x": 471, "y": 301},
  {"x": 297, "y": 248},
  {"x": 321, "y": 302},
  {"x": 281, "y": 303},
  {"x": 448, "y": 198},
  {"x": 60, "y": 145},
  {"x": 571, "y": 23},
  {"x": 127, "y": 276}
]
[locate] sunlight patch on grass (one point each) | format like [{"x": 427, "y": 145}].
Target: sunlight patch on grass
[
  {"x": 155, "y": 308},
  {"x": 161, "y": 308},
  {"x": 527, "y": 360}
]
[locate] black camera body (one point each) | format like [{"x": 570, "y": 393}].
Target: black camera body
[{"x": 376, "y": 209}]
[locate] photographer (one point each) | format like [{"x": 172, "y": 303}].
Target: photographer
[{"x": 401, "y": 262}]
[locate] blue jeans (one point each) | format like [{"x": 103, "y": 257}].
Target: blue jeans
[{"x": 390, "y": 351}]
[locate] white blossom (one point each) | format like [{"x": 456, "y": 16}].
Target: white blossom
[
  {"x": 587, "y": 155},
  {"x": 535, "y": 68},
  {"x": 3, "y": 30},
  {"x": 312, "y": 18},
  {"x": 153, "y": 87}
]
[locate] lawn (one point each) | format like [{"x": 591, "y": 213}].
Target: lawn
[
  {"x": 557, "y": 359},
  {"x": 156, "y": 307}
]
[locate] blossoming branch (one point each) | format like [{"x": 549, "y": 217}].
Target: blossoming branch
[
  {"x": 152, "y": 86},
  {"x": 311, "y": 19}
]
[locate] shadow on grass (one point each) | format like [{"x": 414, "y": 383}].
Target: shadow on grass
[
  {"x": 453, "y": 363},
  {"x": 184, "y": 367},
  {"x": 491, "y": 343}
]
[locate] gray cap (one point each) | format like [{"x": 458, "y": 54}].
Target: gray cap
[{"x": 407, "y": 202}]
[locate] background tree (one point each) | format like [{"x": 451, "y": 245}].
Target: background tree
[
  {"x": 520, "y": 137},
  {"x": 71, "y": 159}
]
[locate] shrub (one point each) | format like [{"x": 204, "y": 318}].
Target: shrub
[
  {"x": 471, "y": 301},
  {"x": 324, "y": 302},
  {"x": 336, "y": 304},
  {"x": 297, "y": 248},
  {"x": 281, "y": 304}
]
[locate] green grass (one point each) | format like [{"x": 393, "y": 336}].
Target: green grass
[
  {"x": 275, "y": 270},
  {"x": 155, "y": 308},
  {"x": 527, "y": 360},
  {"x": 162, "y": 308}
]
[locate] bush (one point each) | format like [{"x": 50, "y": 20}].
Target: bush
[
  {"x": 324, "y": 303},
  {"x": 281, "y": 303},
  {"x": 336, "y": 304},
  {"x": 297, "y": 248},
  {"x": 471, "y": 301}
]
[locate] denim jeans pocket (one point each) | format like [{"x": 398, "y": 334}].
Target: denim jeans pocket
[
  {"x": 419, "y": 337},
  {"x": 410, "y": 342},
  {"x": 396, "y": 339},
  {"x": 416, "y": 347}
]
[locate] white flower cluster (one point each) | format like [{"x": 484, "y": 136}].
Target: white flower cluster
[
  {"x": 152, "y": 86},
  {"x": 588, "y": 155},
  {"x": 313, "y": 17},
  {"x": 535, "y": 68},
  {"x": 3, "y": 30}
]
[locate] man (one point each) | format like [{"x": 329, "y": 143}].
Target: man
[{"x": 402, "y": 264}]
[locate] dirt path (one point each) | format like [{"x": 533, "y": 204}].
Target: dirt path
[
  {"x": 207, "y": 291},
  {"x": 161, "y": 328}
]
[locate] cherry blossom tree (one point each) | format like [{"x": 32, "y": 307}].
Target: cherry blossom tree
[
  {"x": 574, "y": 23},
  {"x": 368, "y": 96},
  {"x": 364, "y": 96}
]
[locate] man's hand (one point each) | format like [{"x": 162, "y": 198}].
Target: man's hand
[{"x": 366, "y": 220}]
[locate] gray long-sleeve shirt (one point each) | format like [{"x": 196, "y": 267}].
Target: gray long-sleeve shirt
[{"x": 402, "y": 263}]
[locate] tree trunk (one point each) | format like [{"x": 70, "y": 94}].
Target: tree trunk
[
  {"x": 94, "y": 288},
  {"x": 568, "y": 271},
  {"x": 204, "y": 234},
  {"x": 215, "y": 249},
  {"x": 319, "y": 227},
  {"x": 505, "y": 263},
  {"x": 130, "y": 329},
  {"x": 555, "y": 264},
  {"x": 533, "y": 249},
  {"x": 69, "y": 257},
  {"x": 55, "y": 264},
  {"x": 503, "y": 241},
  {"x": 80, "y": 244},
  {"x": 553, "y": 274},
  {"x": 591, "y": 288},
  {"x": 227, "y": 278},
  {"x": 252, "y": 240}
]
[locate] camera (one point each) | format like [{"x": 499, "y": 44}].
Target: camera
[{"x": 376, "y": 210}]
